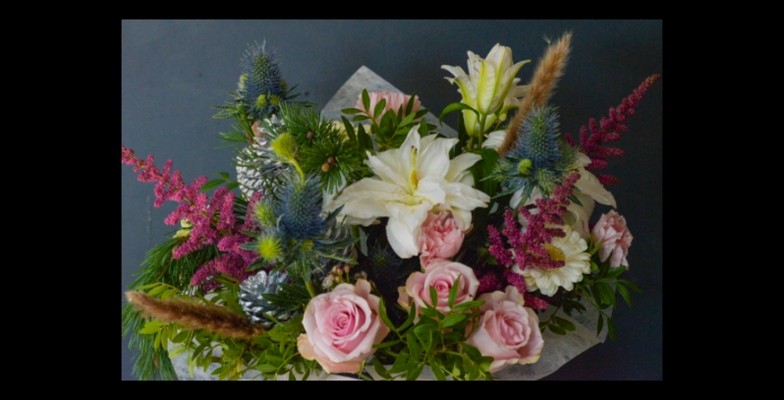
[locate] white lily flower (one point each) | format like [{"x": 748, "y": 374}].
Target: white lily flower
[
  {"x": 410, "y": 182},
  {"x": 490, "y": 87}
]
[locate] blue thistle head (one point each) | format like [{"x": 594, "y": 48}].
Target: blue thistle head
[
  {"x": 261, "y": 87},
  {"x": 540, "y": 157},
  {"x": 537, "y": 139},
  {"x": 298, "y": 207}
]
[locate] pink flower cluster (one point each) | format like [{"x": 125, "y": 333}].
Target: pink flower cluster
[
  {"x": 507, "y": 331},
  {"x": 212, "y": 220},
  {"x": 392, "y": 101},
  {"x": 615, "y": 239},
  {"x": 528, "y": 245},
  {"x": 609, "y": 129},
  {"x": 341, "y": 328},
  {"x": 440, "y": 238}
]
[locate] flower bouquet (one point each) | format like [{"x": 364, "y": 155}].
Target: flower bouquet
[{"x": 369, "y": 240}]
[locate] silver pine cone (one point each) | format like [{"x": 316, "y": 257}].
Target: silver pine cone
[
  {"x": 252, "y": 292},
  {"x": 257, "y": 167}
]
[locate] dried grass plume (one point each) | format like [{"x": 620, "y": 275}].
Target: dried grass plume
[
  {"x": 546, "y": 76},
  {"x": 195, "y": 316}
]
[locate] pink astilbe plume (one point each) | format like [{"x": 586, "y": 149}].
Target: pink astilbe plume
[
  {"x": 515, "y": 246},
  {"x": 212, "y": 220},
  {"x": 527, "y": 245},
  {"x": 609, "y": 129}
]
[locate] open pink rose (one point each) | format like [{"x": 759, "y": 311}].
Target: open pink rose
[
  {"x": 442, "y": 275},
  {"x": 394, "y": 101},
  {"x": 341, "y": 328},
  {"x": 508, "y": 332},
  {"x": 440, "y": 237},
  {"x": 615, "y": 238}
]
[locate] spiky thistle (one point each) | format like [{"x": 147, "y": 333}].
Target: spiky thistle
[
  {"x": 295, "y": 231},
  {"x": 261, "y": 88},
  {"x": 298, "y": 207},
  {"x": 539, "y": 159}
]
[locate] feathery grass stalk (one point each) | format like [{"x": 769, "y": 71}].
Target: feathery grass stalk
[
  {"x": 196, "y": 316},
  {"x": 546, "y": 76}
]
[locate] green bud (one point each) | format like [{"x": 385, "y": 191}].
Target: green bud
[{"x": 524, "y": 167}]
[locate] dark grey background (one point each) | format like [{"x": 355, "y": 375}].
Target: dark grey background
[{"x": 173, "y": 72}]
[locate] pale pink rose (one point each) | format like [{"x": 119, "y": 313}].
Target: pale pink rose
[
  {"x": 613, "y": 235},
  {"x": 394, "y": 101},
  {"x": 341, "y": 328},
  {"x": 442, "y": 275},
  {"x": 508, "y": 332},
  {"x": 440, "y": 237}
]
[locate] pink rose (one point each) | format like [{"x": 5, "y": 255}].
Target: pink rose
[
  {"x": 341, "y": 328},
  {"x": 394, "y": 101},
  {"x": 613, "y": 235},
  {"x": 508, "y": 332},
  {"x": 440, "y": 237},
  {"x": 442, "y": 275}
]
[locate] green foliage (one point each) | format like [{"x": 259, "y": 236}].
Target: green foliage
[
  {"x": 269, "y": 355},
  {"x": 387, "y": 130},
  {"x": 322, "y": 148},
  {"x": 223, "y": 179},
  {"x": 601, "y": 288},
  {"x": 436, "y": 340},
  {"x": 159, "y": 268}
]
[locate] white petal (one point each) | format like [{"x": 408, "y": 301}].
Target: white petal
[
  {"x": 432, "y": 190},
  {"x": 460, "y": 164},
  {"x": 578, "y": 216},
  {"x": 517, "y": 197},
  {"x": 590, "y": 185},
  {"x": 465, "y": 197},
  {"x": 388, "y": 167},
  {"x": 433, "y": 158},
  {"x": 462, "y": 218},
  {"x": 404, "y": 227},
  {"x": 494, "y": 140}
]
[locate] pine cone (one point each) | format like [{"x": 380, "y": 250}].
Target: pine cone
[
  {"x": 255, "y": 171},
  {"x": 252, "y": 300}
]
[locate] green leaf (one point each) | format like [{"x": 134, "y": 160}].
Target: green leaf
[
  {"x": 433, "y": 296},
  {"x": 453, "y": 319},
  {"x": 224, "y": 175},
  {"x": 379, "y": 107},
  {"x": 600, "y": 324},
  {"x": 351, "y": 111},
  {"x": 469, "y": 304},
  {"x": 557, "y": 329},
  {"x": 436, "y": 367},
  {"x": 453, "y": 292},
  {"x": 624, "y": 294},
  {"x": 211, "y": 184},
  {"x": 450, "y": 108},
  {"x": 400, "y": 363},
  {"x": 382, "y": 312},
  {"x": 409, "y": 320},
  {"x": 365, "y": 99},
  {"x": 564, "y": 323},
  {"x": 349, "y": 129},
  {"x": 629, "y": 284},
  {"x": 380, "y": 369},
  {"x": 151, "y": 327},
  {"x": 413, "y": 373},
  {"x": 232, "y": 185},
  {"x": 611, "y": 328}
]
